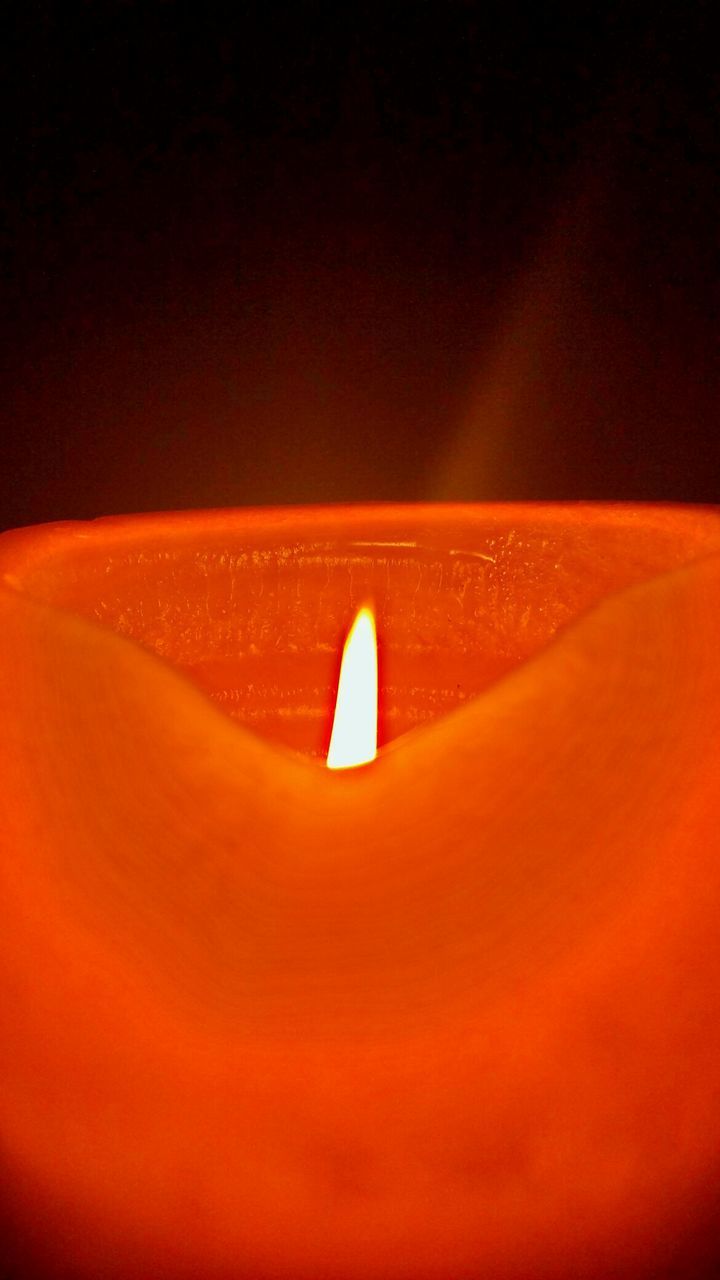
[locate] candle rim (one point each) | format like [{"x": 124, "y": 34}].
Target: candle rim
[
  {"x": 54, "y": 537},
  {"x": 31, "y": 549},
  {"x": 298, "y": 766}
]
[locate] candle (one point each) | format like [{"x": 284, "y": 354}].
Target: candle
[{"x": 450, "y": 1013}]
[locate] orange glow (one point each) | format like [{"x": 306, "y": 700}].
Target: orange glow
[
  {"x": 354, "y": 732},
  {"x": 458, "y": 1007}
]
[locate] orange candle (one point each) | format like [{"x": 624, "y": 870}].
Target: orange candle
[{"x": 452, "y": 1013}]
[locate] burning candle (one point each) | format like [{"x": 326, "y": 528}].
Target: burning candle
[{"x": 450, "y": 1013}]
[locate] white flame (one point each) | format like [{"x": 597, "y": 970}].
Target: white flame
[{"x": 354, "y": 733}]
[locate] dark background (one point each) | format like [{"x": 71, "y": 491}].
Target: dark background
[{"x": 308, "y": 252}]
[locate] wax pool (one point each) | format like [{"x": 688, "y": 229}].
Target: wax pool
[{"x": 453, "y": 1013}]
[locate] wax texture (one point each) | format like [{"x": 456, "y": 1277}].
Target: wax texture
[{"x": 452, "y": 1014}]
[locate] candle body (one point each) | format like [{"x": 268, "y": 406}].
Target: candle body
[{"x": 449, "y": 1014}]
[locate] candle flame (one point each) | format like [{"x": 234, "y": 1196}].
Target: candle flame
[{"x": 354, "y": 733}]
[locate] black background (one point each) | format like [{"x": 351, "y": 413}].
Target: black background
[{"x": 303, "y": 252}]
